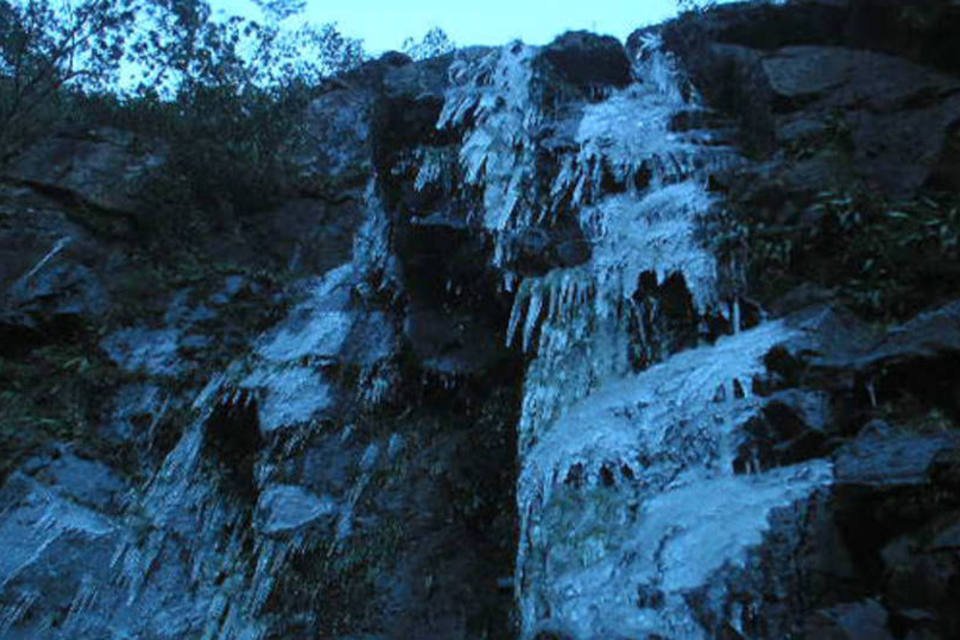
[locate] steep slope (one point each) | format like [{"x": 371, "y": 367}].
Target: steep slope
[{"x": 560, "y": 351}]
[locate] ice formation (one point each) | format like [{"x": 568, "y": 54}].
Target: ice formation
[
  {"x": 187, "y": 553},
  {"x": 627, "y": 494},
  {"x": 627, "y": 480}
]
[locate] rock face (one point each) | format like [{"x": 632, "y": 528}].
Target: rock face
[
  {"x": 105, "y": 168},
  {"x": 513, "y": 381},
  {"x": 587, "y": 60}
]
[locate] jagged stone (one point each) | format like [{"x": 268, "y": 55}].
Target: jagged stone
[
  {"x": 815, "y": 63},
  {"x": 143, "y": 350},
  {"x": 284, "y": 509},
  {"x": 49, "y": 273},
  {"x": 865, "y": 620},
  {"x": 588, "y": 60},
  {"x": 103, "y": 167},
  {"x": 887, "y": 460},
  {"x": 313, "y": 235},
  {"x": 791, "y": 428},
  {"x": 137, "y": 408},
  {"x": 60, "y": 290}
]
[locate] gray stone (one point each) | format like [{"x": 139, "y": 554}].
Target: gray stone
[
  {"x": 371, "y": 340},
  {"x": 52, "y": 546},
  {"x": 317, "y": 327},
  {"x": 898, "y": 113},
  {"x": 103, "y": 167},
  {"x": 183, "y": 312},
  {"x": 48, "y": 267},
  {"x": 338, "y": 136},
  {"x": 314, "y": 235},
  {"x": 142, "y": 350},
  {"x": 588, "y": 60},
  {"x": 290, "y": 396},
  {"x": 864, "y": 620},
  {"x": 887, "y": 460},
  {"x": 137, "y": 407},
  {"x": 329, "y": 464},
  {"x": 844, "y": 343},
  {"x": 87, "y": 482},
  {"x": 60, "y": 289},
  {"x": 233, "y": 286},
  {"x": 844, "y": 77},
  {"x": 422, "y": 80},
  {"x": 929, "y": 334},
  {"x": 452, "y": 344}
]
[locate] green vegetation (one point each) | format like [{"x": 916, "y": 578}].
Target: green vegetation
[
  {"x": 885, "y": 259},
  {"x": 225, "y": 95},
  {"x": 55, "y": 393},
  {"x": 223, "y": 101}
]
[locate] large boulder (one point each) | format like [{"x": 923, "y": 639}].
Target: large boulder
[
  {"x": 588, "y": 60},
  {"x": 311, "y": 235},
  {"x": 337, "y": 149},
  {"x": 898, "y": 114},
  {"x": 104, "y": 167},
  {"x": 819, "y": 81},
  {"x": 50, "y": 273}
]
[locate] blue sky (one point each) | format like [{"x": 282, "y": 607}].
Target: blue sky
[{"x": 383, "y": 24}]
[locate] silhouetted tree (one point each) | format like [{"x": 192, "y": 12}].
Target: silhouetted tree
[{"x": 434, "y": 43}]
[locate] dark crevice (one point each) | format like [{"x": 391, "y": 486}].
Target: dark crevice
[{"x": 232, "y": 440}]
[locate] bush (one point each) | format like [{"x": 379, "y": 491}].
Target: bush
[
  {"x": 887, "y": 260},
  {"x": 226, "y": 95},
  {"x": 434, "y": 43}
]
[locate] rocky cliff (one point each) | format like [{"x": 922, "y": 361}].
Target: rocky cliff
[{"x": 577, "y": 341}]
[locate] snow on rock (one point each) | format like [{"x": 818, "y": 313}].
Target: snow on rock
[
  {"x": 633, "y": 491},
  {"x": 286, "y": 508},
  {"x": 497, "y": 152},
  {"x": 289, "y": 396},
  {"x": 288, "y": 366},
  {"x": 316, "y": 327},
  {"x": 578, "y": 319},
  {"x": 632, "y": 421},
  {"x": 54, "y": 551},
  {"x": 623, "y": 566}
]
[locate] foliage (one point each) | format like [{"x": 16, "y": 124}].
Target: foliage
[
  {"x": 55, "y": 393},
  {"x": 44, "y": 50},
  {"x": 695, "y": 5},
  {"x": 170, "y": 65},
  {"x": 279, "y": 10},
  {"x": 434, "y": 43},
  {"x": 885, "y": 259}
]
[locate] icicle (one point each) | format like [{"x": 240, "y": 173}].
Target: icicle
[
  {"x": 515, "y": 314},
  {"x": 13, "y": 613},
  {"x": 872, "y": 393},
  {"x": 533, "y": 317},
  {"x": 57, "y": 248}
]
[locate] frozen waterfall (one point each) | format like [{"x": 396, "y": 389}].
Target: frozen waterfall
[{"x": 627, "y": 484}]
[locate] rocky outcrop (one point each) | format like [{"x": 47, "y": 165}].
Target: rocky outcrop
[
  {"x": 331, "y": 447},
  {"x": 589, "y": 61},
  {"x": 817, "y": 79}
]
